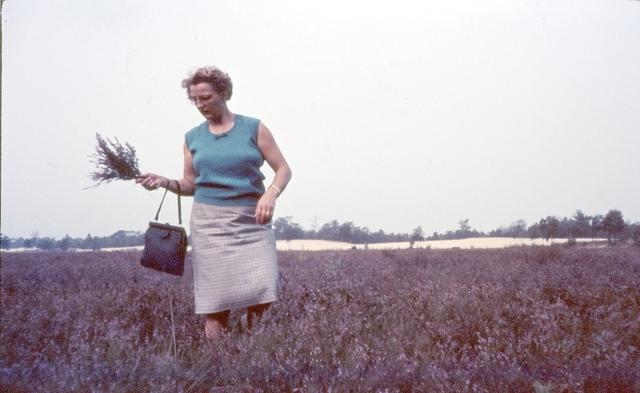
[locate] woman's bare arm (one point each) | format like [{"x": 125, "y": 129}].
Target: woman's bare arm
[{"x": 272, "y": 154}]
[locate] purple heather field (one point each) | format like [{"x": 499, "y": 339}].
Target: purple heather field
[{"x": 521, "y": 319}]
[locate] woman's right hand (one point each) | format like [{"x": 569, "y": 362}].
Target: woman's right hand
[{"x": 151, "y": 181}]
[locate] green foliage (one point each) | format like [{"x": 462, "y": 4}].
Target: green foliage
[
  {"x": 45, "y": 243},
  {"x": 549, "y": 227},
  {"x": 634, "y": 233},
  {"x": 286, "y": 229},
  {"x": 613, "y": 224},
  {"x": 5, "y": 242},
  {"x": 581, "y": 225},
  {"x": 417, "y": 235},
  {"x": 65, "y": 243}
]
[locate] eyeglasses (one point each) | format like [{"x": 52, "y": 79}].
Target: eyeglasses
[{"x": 196, "y": 100}]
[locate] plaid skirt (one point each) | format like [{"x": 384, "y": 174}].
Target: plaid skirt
[{"x": 235, "y": 263}]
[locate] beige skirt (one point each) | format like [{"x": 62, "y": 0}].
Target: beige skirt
[{"x": 235, "y": 263}]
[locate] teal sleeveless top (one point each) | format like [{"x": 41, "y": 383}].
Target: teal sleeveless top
[{"x": 228, "y": 165}]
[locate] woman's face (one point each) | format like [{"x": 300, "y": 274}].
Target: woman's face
[{"x": 210, "y": 104}]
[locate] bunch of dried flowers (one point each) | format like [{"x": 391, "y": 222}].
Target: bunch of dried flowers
[{"x": 114, "y": 161}]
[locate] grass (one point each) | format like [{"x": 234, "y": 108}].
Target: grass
[{"x": 524, "y": 319}]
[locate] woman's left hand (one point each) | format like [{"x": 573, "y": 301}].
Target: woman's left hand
[{"x": 265, "y": 207}]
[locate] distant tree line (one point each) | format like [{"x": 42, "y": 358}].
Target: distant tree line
[
  {"x": 286, "y": 229},
  {"x": 117, "y": 239},
  {"x": 611, "y": 226}
]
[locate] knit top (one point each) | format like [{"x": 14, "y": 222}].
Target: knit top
[{"x": 227, "y": 165}]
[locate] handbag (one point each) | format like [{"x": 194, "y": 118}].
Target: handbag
[{"x": 165, "y": 245}]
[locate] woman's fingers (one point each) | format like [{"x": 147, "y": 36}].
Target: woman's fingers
[
  {"x": 150, "y": 181},
  {"x": 266, "y": 217},
  {"x": 145, "y": 177},
  {"x": 263, "y": 214}
]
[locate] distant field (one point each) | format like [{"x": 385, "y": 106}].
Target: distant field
[
  {"x": 477, "y": 242},
  {"x": 520, "y": 319},
  {"x": 324, "y": 245}
]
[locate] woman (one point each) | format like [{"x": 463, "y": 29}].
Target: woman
[{"x": 233, "y": 245}]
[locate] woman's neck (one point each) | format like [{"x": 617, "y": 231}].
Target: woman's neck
[
  {"x": 222, "y": 124},
  {"x": 225, "y": 118}
]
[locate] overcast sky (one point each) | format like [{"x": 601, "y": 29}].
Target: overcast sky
[{"x": 391, "y": 114}]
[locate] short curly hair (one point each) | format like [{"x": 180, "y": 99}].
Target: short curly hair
[{"x": 218, "y": 79}]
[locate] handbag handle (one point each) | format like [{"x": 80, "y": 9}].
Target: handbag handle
[{"x": 179, "y": 205}]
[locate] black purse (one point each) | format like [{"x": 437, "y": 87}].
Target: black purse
[{"x": 165, "y": 245}]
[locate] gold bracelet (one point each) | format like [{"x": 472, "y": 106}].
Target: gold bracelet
[{"x": 275, "y": 188}]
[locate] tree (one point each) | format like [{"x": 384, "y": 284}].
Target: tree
[
  {"x": 329, "y": 231},
  {"x": 534, "y": 231},
  {"x": 64, "y": 243},
  {"x": 581, "y": 225},
  {"x": 32, "y": 242},
  {"x": 463, "y": 226},
  {"x": 596, "y": 225},
  {"x": 549, "y": 227},
  {"x": 564, "y": 227},
  {"x": 361, "y": 235},
  {"x": 90, "y": 243},
  {"x": 45, "y": 243},
  {"x": 416, "y": 236},
  {"x": 5, "y": 242},
  {"x": 613, "y": 224},
  {"x": 286, "y": 229},
  {"x": 634, "y": 233},
  {"x": 378, "y": 237},
  {"x": 345, "y": 232},
  {"x": 517, "y": 229}
]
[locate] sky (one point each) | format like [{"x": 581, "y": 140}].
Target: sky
[{"x": 390, "y": 114}]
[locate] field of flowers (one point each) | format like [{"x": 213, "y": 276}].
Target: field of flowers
[{"x": 522, "y": 319}]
